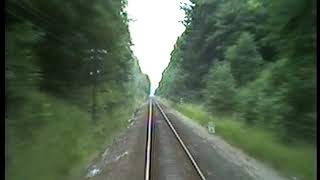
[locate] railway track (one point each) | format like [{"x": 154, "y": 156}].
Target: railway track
[
  {"x": 161, "y": 145},
  {"x": 166, "y": 154}
]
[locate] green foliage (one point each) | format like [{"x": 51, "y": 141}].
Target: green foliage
[
  {"x": 44, "y": 136},
  {"x": 211, "y": 27},
  {"x": 280, "y": 99},
  {"x": 270, "y": 46},
  {"x": 292, "y": 26},
  {"x": 56, "y": 137},
  {"x": 174, "y": 76},
  {"x": 220, "y": 91},
  {"x": 70, "y": 31},
  {"x": 293, "y": 160},
  {"x": 245, "y": 60},
  {"x": 140, "y": 83},
  {"x": 22, "y": 74},
  {"x": 49, "y": 131},
  {"x": 196, "y": 112}
]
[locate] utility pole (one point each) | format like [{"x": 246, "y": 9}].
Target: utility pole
[{"x": 95, "y": 58}]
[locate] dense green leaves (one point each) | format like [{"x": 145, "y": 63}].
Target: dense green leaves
[
  {"x": 54, "y": 40},
  {"x": 22, "y": 71},
  {"x": 220, "y": 90},
  {"x": 270, "y": 46},
  {"x": 49, "y": 89},
  {"x": 245, "y": 60}
]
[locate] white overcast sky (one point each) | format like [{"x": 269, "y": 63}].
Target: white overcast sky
[{"x": 154, "y": 32}]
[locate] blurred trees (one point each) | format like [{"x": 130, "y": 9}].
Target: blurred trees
[
  {"x": 47, "y": 48},
  {"x": 220, "y": 90},
  {"x": 270, "y": 46},
  {"x": 245, "y": 60},
  {"x": 49, "y": 87}
]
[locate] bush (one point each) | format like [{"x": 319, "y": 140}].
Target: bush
[
  {"x": 272, "y": 102},
  {"x": 296, "y": 160},
  {"x": 52, "y": 139}
]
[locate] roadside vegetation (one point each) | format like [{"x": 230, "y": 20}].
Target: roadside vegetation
[
  {"x": 251, "y": 66},
  {"x": 50, "y": 133},
  {"x": 295, "y": 160},
  {"x": 57, "y": 137}
]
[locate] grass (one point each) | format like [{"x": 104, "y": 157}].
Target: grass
[
  {"x": 50, "y": 139},
  {"x": 294, "y": 161}
]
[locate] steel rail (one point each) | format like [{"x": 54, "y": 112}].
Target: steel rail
[
  {"x": 148, "y": 145},
  {"x": 194, "y": 163}
]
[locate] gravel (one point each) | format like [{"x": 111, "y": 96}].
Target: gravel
[{"x": 256, "y": 169}]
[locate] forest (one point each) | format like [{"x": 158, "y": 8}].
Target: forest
[
  {"x": 71, "y": 82},
  {"x": 253, "y": 61},
  {"x": 238, "y": 57}
]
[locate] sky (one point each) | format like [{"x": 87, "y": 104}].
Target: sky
[{"x": 154, "y": 31}]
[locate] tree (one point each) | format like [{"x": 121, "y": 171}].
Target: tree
[
  {"x": 48, "y": 83},
  {"x": 245, "y": 60},
  {"x": 271, "y": 49},
  {"x": 220, "y": 91}
]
